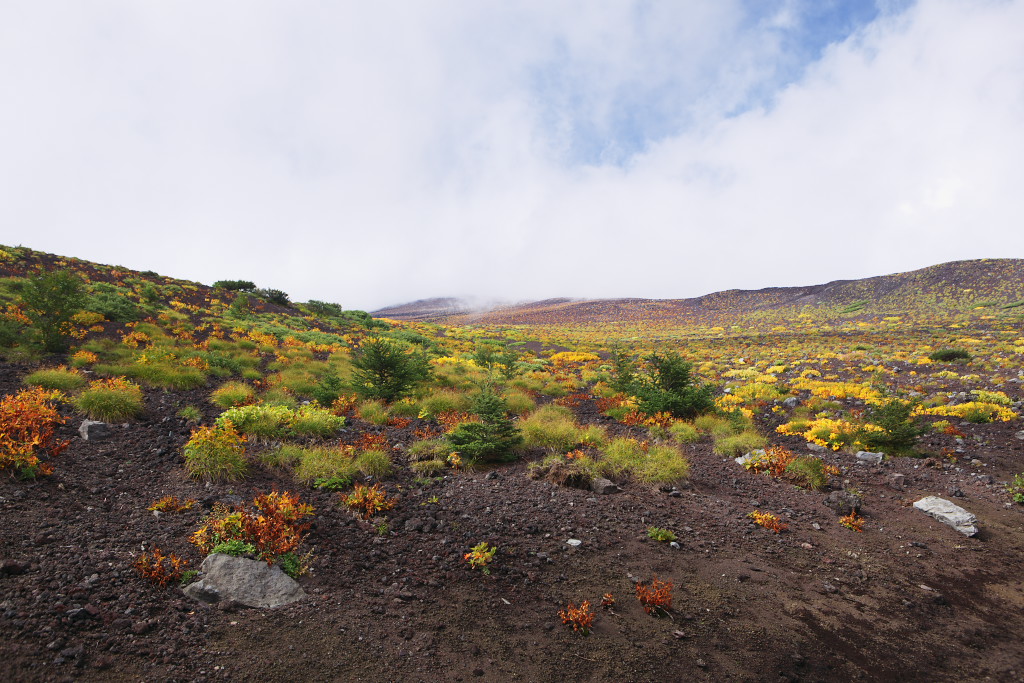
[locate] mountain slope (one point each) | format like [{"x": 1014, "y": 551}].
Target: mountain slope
[{"x": 957, "y": 285}]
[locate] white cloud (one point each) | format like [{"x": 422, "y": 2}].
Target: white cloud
[{"x": 370, "y": 153}]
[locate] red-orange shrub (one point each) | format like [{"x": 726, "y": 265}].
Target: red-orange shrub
[
  {"x": 580, "y": 618},
  {"x": 159, "y": 568},
  {"x": 28, "y": 421},
  {"x": 368, "y": 500},
  {"x": 656, "y": 597}
]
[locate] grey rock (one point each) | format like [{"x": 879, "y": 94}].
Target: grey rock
[
  {"x": 603, "y": 486},
  {"x": 791, "y": 402},
  {"x": 574, "y": 542},
  {"x": 415, "y": 524},
  {"x": 1020, "y": 435},
  {"x": 869, "y": 458},
  {"x": 843, "y": 502},
  {"x": 248, "y": 582},
  {"x": 93, "y": 430},
  {"x": 949, "y": 513},
  {"x": 744, "y": 459},
  {"x": 898, "y": 482},
  {"x": 816, "y": 448}
]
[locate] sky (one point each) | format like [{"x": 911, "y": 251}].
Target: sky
[{"x": 374, "y": 153}]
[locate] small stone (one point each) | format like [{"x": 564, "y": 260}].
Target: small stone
[
  {"x": 574, "y": 542},
  {"x": 1020, "y": 435},
  {"x": 869, "y": 458},
  {"x": 93, "y": 430},
  {"x": 603, "y": 486},
  {"x": 13, "y": 567},
  {"x": 843, "y": 502}
]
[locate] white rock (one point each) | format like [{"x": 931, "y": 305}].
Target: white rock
[
  {"x": 949, "y": 513},
  {"x": 574, "y": 542}
]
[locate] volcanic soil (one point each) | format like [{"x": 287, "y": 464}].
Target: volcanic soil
[{"x": 906, "y": 599}]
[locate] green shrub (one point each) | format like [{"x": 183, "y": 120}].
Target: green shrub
[
  {"x": 235, "y": 547},
  {"x": 236, "y": 285},
  {"x": 328, "y": 389},
  {"x": 808, "y": 472},
  {"x": 111, "y": 400},
  {"x": 374, "y": 463},
  {"x": 190, "y": 413},
  {"x": 231, "y": 394},
  {"x": 666, "y": 384},
  {"x": 215, "y": 453},
  {"x": 735, "y": 445},
  {"x": 321, "y": 463},
  {"x": 715, "y": 425},
  {"x": 158, "y": 374},
  {"x": 1015, "y": 487},
  {"x": 404, "y": 408},
  {"x": 519, "y": 402},
  {"x": 428, "y": 467},
  {"x": 684, "y": 432},
  {"x": 650, "y": 464},
  {"x": 550, "y": 426},
  {"x": 334, "y": 483},
  {"x": 274, "y": 296},
  {"x": 443, "y": 401},
  {"x": 660, "y": 535},
  {"x": 113, "y": 305},
  {"x": 260, "y": 421},
  {"x": 593, "y": 435},
  {"x": 50, "y": 301},
  {"x": 382, "y": 369},
  {"x": 278, "y": 396},
  {"x": 374, "y": 412},
  {"x": 310, "y": 420},
  {"x": 494, "y": 439},
  {"x": 10, "y": 332},
  {"x": 900, "y": 429},
  {"x": 429, "y": 449},
  {"x": 949, "y": 355},
  {"x": 61, "y": 379},
  {"x": 285, "y": 455}
]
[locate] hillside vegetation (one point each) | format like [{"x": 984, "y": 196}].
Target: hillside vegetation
[{"x": 716, "y": 488}]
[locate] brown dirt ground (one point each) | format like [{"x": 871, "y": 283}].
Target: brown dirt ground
[{"x": 907, "y": 599}]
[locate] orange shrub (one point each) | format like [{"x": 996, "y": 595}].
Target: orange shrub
[
  {"x": 853, "y": 521},
  {"x": 27, "y": 428},
  {"x": 768, "y": 521},
  {"x": 172, "y": 504},
  {"x": 159, "y": 568},
  {"x": 276, "y": 530},
  {"x": 656, "y": 597},
  {"x": 580, "y": 618},
  {"x": 368, "y": 500}
]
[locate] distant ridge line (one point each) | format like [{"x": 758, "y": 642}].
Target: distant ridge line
[{"x": 956, "y": 282}]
